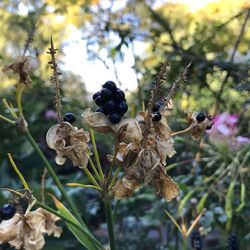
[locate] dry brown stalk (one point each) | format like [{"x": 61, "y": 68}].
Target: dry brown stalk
[{"x": 55, "y": 80}]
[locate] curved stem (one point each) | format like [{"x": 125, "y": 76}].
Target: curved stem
[
  {"x": 109, "y": 218},
  {"x": 53, "y": 175},
  {"x": 19, "y": 93}
]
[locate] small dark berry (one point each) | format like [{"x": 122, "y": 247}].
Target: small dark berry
[
  {"x": 119, "y": 95},
  {"x": 96, "y": 95},
  {"x": 157, "y": 117},
  {"x": 196, "y": 240},
  {"x": 99, "y": 101},
  {"x": 7, "y": 211},
  {"x": 109, "y": 107},
  {"x": 100, "y": 110},
  {"x": 106, "y": 94},
  {"x": 209, "y": 127},
  {"x": 232, "y": 242},
  {"x": 115, "y": 118},
  {"x": 156, "y": 106},
  {"x": 200, "y": 117},
  {"x": 122, "y": 108},
  {"x": 69, "y": 117},
  {"x": 110, "y": 85}
]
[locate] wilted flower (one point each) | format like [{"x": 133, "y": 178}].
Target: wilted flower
[
  {"x": 146, "y": 165},
  {"x": 27, "y": 231},
  {"x": 24, "y": 66},
  {"x": 69, "y": 142},
  {"x": 126, "y": 131}
]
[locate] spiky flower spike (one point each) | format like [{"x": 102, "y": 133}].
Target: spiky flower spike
[
  {"x": 160, "y": 77},
  {"x": 55, "y": 80}
]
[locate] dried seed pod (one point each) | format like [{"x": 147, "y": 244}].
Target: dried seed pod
[{"x": 69, "y": 142}]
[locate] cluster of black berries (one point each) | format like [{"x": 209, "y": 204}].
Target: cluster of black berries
[
  {"x": 69, "y": 117},
  {"x": 156, "y": 113},
  {"x": 196, "y": 240},
  {"x": 200, "y": 118},
  {"x": 232, "y": 242},
  {"x": 111, "y": 101},
  {"x": 7, "y": 211}
]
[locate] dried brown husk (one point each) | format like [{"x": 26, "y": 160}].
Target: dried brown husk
[
  {"x": 24, "y": 66},
  {"x": 127, "y": 130},
  {"x": 27, "y": 231},
  {"x": 69, "y": 142},
  {"x": 198, "y": 127},
  {"x": 143, "y": 166}
]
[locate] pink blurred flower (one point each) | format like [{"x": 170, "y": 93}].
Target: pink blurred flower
[
  {"x": 224, "y": 131},
  {"x": 51, "y": 114}
]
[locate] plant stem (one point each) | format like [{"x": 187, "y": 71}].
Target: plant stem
[
  {"x": 92, "y": 135},
  {"x": 7, "y": 120},
  {"x": 53, "y": 175},
  {"x": 109, "y": 218},
  {"x": 94, "y": 169}
]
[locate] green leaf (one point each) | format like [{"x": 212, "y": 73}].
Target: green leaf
[
  {"x": 84, "y": 236},
  {"x": 229, "y": 205},
  {"x": 242, "y": 197},
  {"x": 184, "y": 200},
  {"x": 201, "y": 203}
]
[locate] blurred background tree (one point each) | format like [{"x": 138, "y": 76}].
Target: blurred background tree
[{"x": 140, "y": 34}]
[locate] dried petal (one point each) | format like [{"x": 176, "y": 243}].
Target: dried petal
[
  {"x": 127, "y": 130},
  {"x": 24, "y": 66},
  {"x": 69, "y": 142}
]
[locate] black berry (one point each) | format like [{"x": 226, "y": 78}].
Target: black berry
[
  {"x": 96, "y": 95},
  {"x": 157, "y": 117},
  {"x": 232, "y": 242},
  {"x": 208, "y": 127},
  {"x": 200, "y": 117},
  {"x": 110, "y": 85},
  {"x": 109, "y": 107},
  {"x": 122, "y": 108},
  {"x": 196, "y": 240},
  {"x": 100, "y": 110},
  {"x": 99, "y": 100},
  {"x": 115, "y": 118},
  {"x": 69, "y": 117},
  {"x": 119, "y": 95},
  {"x": 156, "y": 106},
  {"x": 106, "y": 94},
  {"x": 7, "y": 211}
]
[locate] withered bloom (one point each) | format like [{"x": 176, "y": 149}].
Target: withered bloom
[
  {"x": 27, "y": 231},
  {"x": 146, "y": 165},
  {"x": 198, "y": 128},
  {"x": 127, "y": 130},
  {"x": 24, "y": 66},
  {"x": 69, "y": 142}
]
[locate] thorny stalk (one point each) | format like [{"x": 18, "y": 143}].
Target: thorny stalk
[
  {"x": 55, "y": 80},
  {"x": 158, "y": 80},
  {"x": 30, "y": 38},
  {"x": 182, "y": 77}
]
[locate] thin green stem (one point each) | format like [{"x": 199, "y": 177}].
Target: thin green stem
[
  {"x": 94, "y": 169},
  {"x": 91, "y": 177},
  {"x": 118, "y": 203},
  {"x": 53, "y": 175},
  {"x": 109, "y": 218},
  {"x": 92, "y": 135},
  {"x": 11, "y": 110},
  {"x": 112, "y": 183},
  {"x": 83, "y": 186},
  {"x": 7, "y": 120},
  {"x": 112, "y": 166},
  {"x": 19, "y": 93}
]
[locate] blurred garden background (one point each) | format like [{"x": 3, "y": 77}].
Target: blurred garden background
[{"x": 126, "y": 41}]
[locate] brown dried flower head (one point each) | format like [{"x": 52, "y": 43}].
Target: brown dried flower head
[
  {"x": 69, "y": 142},
  {"x": 198, "y": 128},
  {"x": 127, "y": 130},
  {"x": 27, "y": 231},
  {"x": 146, "y": 165},
  {"x": 24, "y": 66}
]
